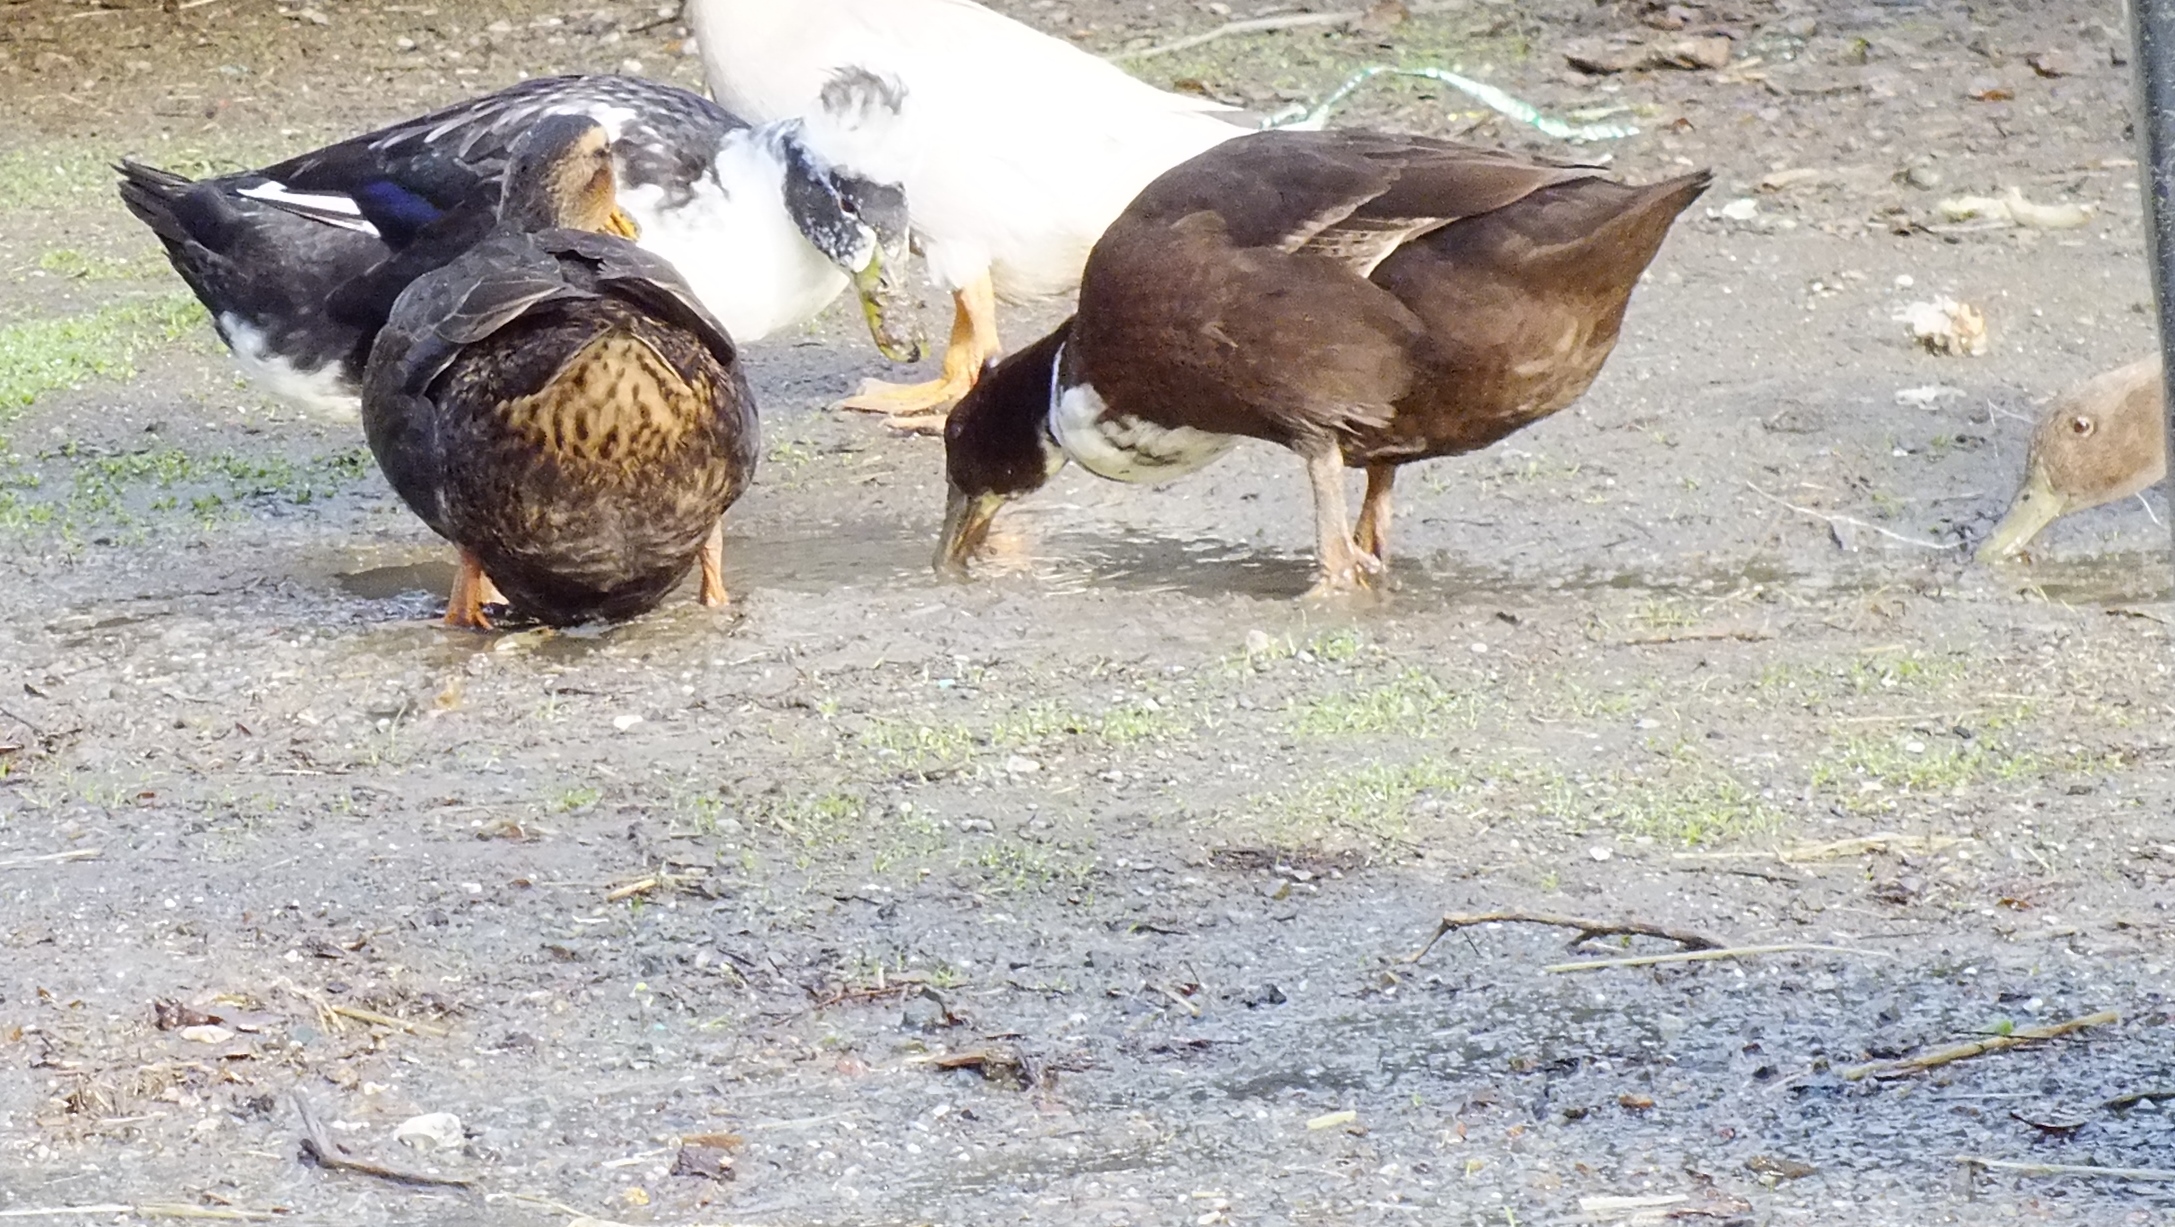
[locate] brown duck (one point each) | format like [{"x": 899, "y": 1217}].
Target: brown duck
[
  {"x": 1359, "y": 298},
  {"x": 2105, "y": 439},
  {"x": 557, "y": 404}
]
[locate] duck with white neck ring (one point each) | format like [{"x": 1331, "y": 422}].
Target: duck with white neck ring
[{"x": 1361, "y": 299}]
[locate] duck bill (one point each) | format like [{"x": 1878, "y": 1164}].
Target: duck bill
[
  {"x": 890, "y": 322},
  {"x": 966, "y": 527},
  {"x": 2036, "y": 506}
]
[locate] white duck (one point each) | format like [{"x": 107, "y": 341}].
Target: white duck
[{"x": 1016, "y": 149}]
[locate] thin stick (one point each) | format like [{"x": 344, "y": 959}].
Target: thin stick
[
  {"x": 1886, "y": 841},
  {"x": 386, "y": 1020},
  {"x": 1586, "y": 928},
  {"x": 1250, "y": 25},
  {"x": 1974, "y": 1048},
  {"x": 1741, "y": 636},
  {"x": 1180, "y": 998},
  {"x": 1854, "y": 522},
  {"x": 634, "y": 888},
  {"x": 79, "y": 854},
  {"x": 1701, "y": 956},
  {"x": 2125, "y": 1100},
  {"x": 317, "y": 1146},
  {"x": 2069, "y": 1169},
  {"x": 216, "y": 1213},
  {"x": 1262, "y": 25}
]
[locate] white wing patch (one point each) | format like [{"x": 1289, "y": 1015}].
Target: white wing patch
[
  {"x": 1125, "y": 448},
  {"x": 328, "y": 207}
]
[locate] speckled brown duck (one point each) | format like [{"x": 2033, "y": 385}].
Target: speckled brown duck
[
  {"x": 557, "y": 404},
  {"x": 2105, "y": 439},
  {"x": 1362, "y": 299}
]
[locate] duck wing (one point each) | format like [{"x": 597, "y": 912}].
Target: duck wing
[
  {"x": 661, "y": 135},
  {"x": 494, "y": 283},
  {"x": 1349, "y": 197},
  {"x": 491, "y": 285},
  {"x": 612, "y": 265}
]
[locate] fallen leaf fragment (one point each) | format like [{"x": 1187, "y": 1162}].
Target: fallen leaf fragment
[
  {"x": 1331, "y": 1120},
  {"x": 2053, "y": 63},
  {"x": 2011, "y": 206},
  {"x": 431, "y": 1131},
  {"x": 1945, "y": 326}
]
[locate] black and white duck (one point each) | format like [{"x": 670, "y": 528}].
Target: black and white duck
[
  {"x": 765, "y": 230},
  {"x": 558, "y": 404},
  {"x": 1362, "y": 299},
  {"x": 1016, "y": 148}
]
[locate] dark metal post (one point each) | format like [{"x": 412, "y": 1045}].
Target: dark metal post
[{"x": 2152, "y": 25}]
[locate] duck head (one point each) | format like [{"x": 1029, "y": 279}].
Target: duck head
[
  {"x": 559, "y": 174},
  {"x": 2106, "y": 440},
  {"x": 860, "y": 224},
  {"x": 997, "y": 446}
]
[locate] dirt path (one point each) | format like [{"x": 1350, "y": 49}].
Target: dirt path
[{"x": 1083, "y": 893}]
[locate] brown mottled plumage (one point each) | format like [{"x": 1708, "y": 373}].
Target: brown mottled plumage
[
  {"x": 1361, "y": 299},
  {"x": 556, "y": 404}
]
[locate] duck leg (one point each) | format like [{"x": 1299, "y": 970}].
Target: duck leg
[
  {"x": 1373, "y": 533},
  {"x": 920, "y": 407},
  {"x": 1343, "y": 567},
  {"x": 713, "y": 567},
  {"x": 464, "y": 608}
]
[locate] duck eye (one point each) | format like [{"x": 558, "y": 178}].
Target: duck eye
[{"x": 2081, "y": 426}]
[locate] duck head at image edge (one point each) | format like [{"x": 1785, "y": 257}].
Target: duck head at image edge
[{"x": 2100, "y": 442}]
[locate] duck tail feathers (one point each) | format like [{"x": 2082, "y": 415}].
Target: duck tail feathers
[{"x": 156, "y": 197}]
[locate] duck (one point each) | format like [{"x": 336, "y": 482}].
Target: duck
[
  {"x": 1017, "y": 149},
  {"x": 558, "y": 403},
  {"x": 298, "y": 262},
  {"x": 2104, "y": 440},
  {"x": 1363, "y": 299}
]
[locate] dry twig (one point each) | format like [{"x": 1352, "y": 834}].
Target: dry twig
[
  {"x": 1887, "y": 841},
  {"x": 1832, "y": 519},
  {"x": 2068, "y": 1169},
  {"x": 2128, "y": 1098},
  {"x": 49, "y": 858},
  {"x": 318, "y": 1147},
  {"x": 1740, "y": 635},
  {"x": 146, "y": 1210},
  {"x": 1587, "y": 929},
  {"x": 1263, "y": 25},
  {"x": 386, "y": 1020},
  {"x": 1250, "y": 25},
  {"x": 1701, "y": 956},
  {"x": 1974, "y": 1048}
]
